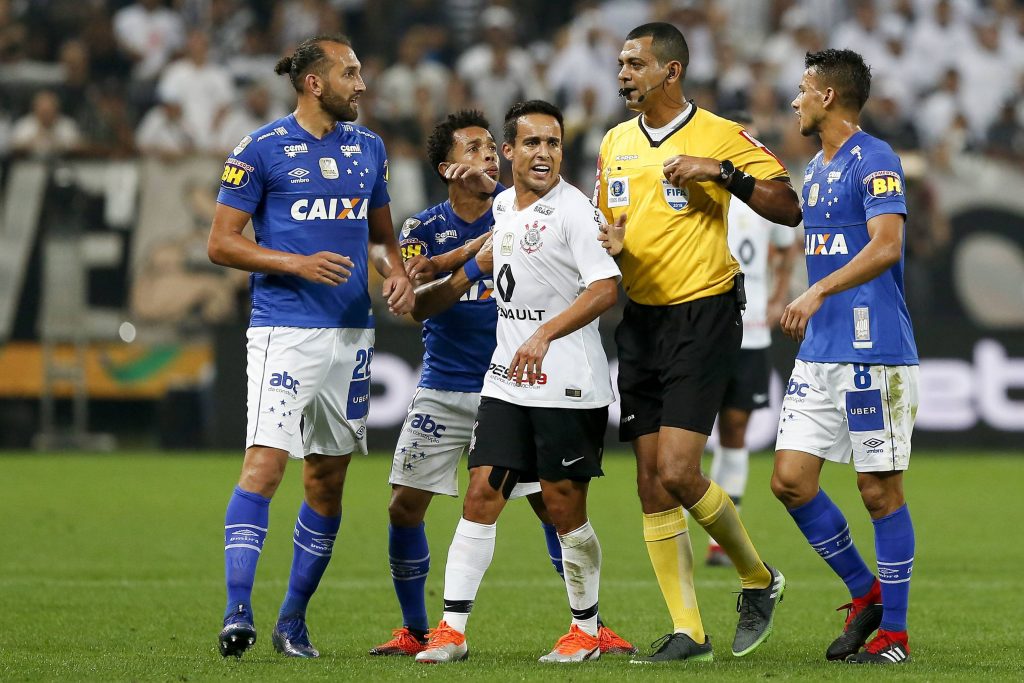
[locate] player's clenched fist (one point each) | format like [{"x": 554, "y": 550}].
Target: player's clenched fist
[
  {"x": 420, "y": 269},
  {"x": 324, "y": 267},
  {"x": 485, "y": 257},
  {"x": 398, "y": 292}
]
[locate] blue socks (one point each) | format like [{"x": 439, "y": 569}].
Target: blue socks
[
  {"x": 410, "y": 564},
  {"x": 825, "y": 528},
  {"x": 554, "y": 547},
  {"x": 894, "y": 547},
  {"x": 314, "y": 542},
  {"x": 245, "y": 529}
]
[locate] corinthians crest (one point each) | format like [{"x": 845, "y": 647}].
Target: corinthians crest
[{"x": 532, "y": 240}]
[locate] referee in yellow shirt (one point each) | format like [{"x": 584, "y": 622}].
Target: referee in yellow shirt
[{"x": 672, "y": 171}]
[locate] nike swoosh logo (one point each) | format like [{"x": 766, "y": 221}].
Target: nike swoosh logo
[{"x": 570, "y": 462}]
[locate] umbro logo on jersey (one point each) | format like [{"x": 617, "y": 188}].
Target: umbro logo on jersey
[
  {"x": 873, "y": 443},
  {"x": 334, "y": 208},
  {"x": 298, "y": 173},
  {"x": 291, "y": 150}
]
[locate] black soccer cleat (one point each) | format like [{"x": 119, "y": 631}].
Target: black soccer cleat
[
  {"x": 677, "y": 647},
  {"x": 757, "y": 614},
  {"x": 861, "y": 622},
  {"x": 238, "y": 634},
  {"x": 885, "y": 648},
  {"x": 291, "y": 638}
]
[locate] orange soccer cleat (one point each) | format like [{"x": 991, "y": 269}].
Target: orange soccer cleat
[
  {"x": 575, "y": 646},
  {"x": 402, "y": 644},
  {"x": 444, "y": 644},
  {"x": 612, "y": 643}
]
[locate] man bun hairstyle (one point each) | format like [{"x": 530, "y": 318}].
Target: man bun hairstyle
[
  {"x": 844, "y": 71},
  {"x": 442, "y": 138},
  {"x": 667, "y": 43},
  {"x": 511, "y": 128},
  {"x": 309, "y": 57}
]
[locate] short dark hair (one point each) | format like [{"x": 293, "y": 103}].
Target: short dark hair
[
  {"x": 442, "y": 138},
  {"x": 511, "y": 128},
  {"x": 667, "y": 42},
  {"x": 845, "y": 71},
  {"x": 308, "y": 57}
]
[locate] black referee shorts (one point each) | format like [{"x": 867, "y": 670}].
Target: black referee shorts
[
  {"x": 748, "y": 386},
  {"x": 675, "y": 363},
  {"x": 539, "y": 443}
]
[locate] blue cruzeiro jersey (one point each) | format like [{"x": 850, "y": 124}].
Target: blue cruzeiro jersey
[
  {"x": 308, "y": 195},
  {"x": 458, "y": 343},
  {"x": 869, "y": 323}
]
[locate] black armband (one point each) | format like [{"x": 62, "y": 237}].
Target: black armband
[{"x": 741, "y": 185}]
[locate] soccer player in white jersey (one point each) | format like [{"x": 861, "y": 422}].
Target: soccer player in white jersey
[
  {"x": 766, "y": 252},
  {"x": 459, "y": 318},
  {"x": 315, "y": 189},
  {"x": 546, "y": 394}
]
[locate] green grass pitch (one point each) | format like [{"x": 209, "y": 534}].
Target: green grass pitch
[{"x": 111, "y": 568}]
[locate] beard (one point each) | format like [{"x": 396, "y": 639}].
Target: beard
[{"x": 338, "y": 107}]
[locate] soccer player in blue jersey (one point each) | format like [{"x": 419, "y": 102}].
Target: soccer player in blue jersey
[
  {"x": 854, "y": 386},
  {"x": 459, "y": 316},
  {"x": 315, "y": 188}
]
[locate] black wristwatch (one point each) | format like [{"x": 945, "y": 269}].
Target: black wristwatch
[{"x": 725, "y": 170}]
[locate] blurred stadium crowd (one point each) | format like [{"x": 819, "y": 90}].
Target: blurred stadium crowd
[
  {"x": 88, "y": 77},
  {"x": 159, "y": 84}
]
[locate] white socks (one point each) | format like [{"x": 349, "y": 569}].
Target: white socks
[
  {"x": 581, "y": 560},
  {"x": 729, "y": 470},
  {"x": 469, "y": 556}
]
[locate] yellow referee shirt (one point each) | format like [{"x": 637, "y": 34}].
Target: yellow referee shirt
[{"x": 675, "y": 248}]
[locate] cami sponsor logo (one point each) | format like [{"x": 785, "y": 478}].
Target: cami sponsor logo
[{"x": 330, "y": 208}]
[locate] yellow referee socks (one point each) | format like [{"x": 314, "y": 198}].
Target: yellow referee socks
[
  {"x": 716, "y": 513},
  {"x": 668, "y": 544}
]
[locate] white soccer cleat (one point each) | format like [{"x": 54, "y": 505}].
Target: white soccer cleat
[
  {"x": 575, "y": 646},
  {"x": 444, "y": 644}
]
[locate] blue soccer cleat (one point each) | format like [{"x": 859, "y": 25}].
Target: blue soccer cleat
[
  {"x": 291, "y": 638},
  {"x": 238, "y": 634}
]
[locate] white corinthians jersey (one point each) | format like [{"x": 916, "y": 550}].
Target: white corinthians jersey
[
  {"x": 544, "y": 256},
  {"x": 749, "y": 237}
]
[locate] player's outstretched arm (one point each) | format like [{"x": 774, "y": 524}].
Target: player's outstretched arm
[
  {"x": 397, "y": 289},
  {"x": 882, "y": 252},
  {"x": 228, "y": 247},
  {"x": 597, "y": 298},
  {"x": 775, "y": 200},
  {"x": 426, "y": 269},
  {"x": 440, "y": 295}
]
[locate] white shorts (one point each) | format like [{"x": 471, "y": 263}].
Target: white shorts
[
  {"x": 833, "y": 410},
  {"x": 308, "y": 389},
  {"x": 436, "y": 432}
]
